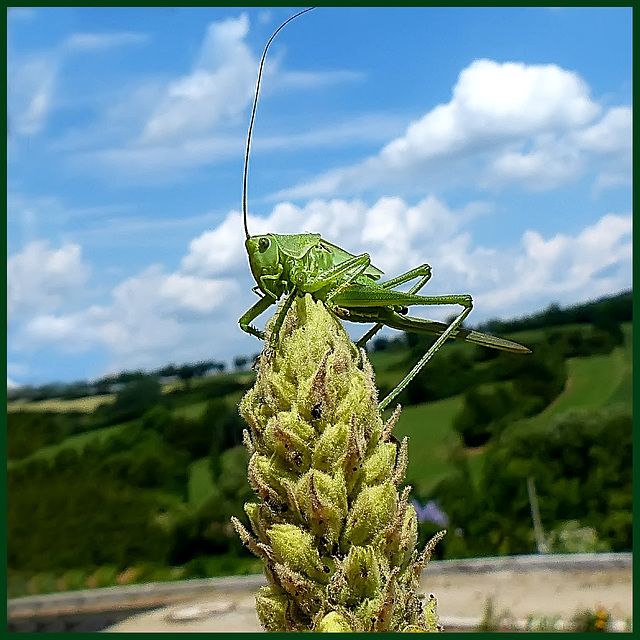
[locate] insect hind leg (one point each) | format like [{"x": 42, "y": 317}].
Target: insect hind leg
[
  {"x": 467, "y": 304},
  {"x": 423, "y": 272}
]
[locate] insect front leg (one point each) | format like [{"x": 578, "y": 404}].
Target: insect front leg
[
  {"x": 423, "y": 272},
  {"x": 277, "y": 325},
  {"x": 258, "y": 308}
]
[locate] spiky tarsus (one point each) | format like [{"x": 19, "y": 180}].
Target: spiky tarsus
[{"x": 337, "y": 537}]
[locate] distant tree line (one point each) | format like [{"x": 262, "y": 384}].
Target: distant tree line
[
  {"x": 601, "y": 313},
  {"x": 605, "y": 313},
  {"x": 28, "y": 431},
  {"x": 112, "y": 383}
]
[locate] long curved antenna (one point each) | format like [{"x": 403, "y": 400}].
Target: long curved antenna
[{"x": 253, "y": 115}]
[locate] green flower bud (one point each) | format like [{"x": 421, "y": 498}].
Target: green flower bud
[
  {"x": 322, "y": 500},
  {"x": 275, "y": 609},
  {"x": 371, "y": 512},
  {"x": 337, "y": 540},
  {"x": 334, "y": 622},
  {"x": 295, "y": 548}
]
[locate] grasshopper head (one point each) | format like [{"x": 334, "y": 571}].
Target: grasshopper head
[{"x": 264, "y": 259}]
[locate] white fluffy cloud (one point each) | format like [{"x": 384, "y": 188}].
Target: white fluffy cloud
[
  {"x": 149, "y": 315},
  {"x": 565, "y": 268},
  {"x": 493, "y": 102},
  {"x": 536, "y": 125},
  {"x": 40, "y": 278},
  {"x": 190, "y": 314},
  {"x": 218, "y": 87},
  {"x": 218, "y": 251},
  {"x": 199, "y": 118}
]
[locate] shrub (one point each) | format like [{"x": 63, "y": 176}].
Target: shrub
[{"x": 132, "y": 401}]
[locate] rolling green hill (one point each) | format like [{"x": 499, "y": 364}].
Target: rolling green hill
[
  {"x": 76, "y": 443},
  {"x": 594, "y": 382},
  {"x": 157, "y": 470}
]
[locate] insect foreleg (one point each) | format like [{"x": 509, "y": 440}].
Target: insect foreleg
[
  {"x": 423, "y": 272},
  {"x": 467, "y": 303},
  {"x": 277, "y": 325},
  {"x": 259, "y": 307}
]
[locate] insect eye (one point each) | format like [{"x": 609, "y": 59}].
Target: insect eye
[{"x": 264, "y": 244}]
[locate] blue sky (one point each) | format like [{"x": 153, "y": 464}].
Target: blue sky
[{"x": 492, "y": 143}]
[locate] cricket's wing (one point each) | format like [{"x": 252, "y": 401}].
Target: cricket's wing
[{"x": 340, "y": 255}]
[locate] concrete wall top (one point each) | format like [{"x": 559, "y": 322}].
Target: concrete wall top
[{"x": 161, "y": 593}]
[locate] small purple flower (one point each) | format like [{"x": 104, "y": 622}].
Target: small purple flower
[{"x": 431, "y": 512}]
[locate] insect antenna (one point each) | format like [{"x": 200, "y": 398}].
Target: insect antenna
[{"x": 253, "y": 115}]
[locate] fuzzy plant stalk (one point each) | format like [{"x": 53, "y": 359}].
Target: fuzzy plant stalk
[{"x": 334, "y": 528}]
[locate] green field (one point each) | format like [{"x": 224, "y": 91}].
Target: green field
[
  {"x": 84, "y": 405},
  {"x": 592, "y": 383},
  {"x": 195, "y": 410},
  {"x": 191, "y": 411},
  {"x": 200, "y": 482},
  {"x": 431, "y": 440}
]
